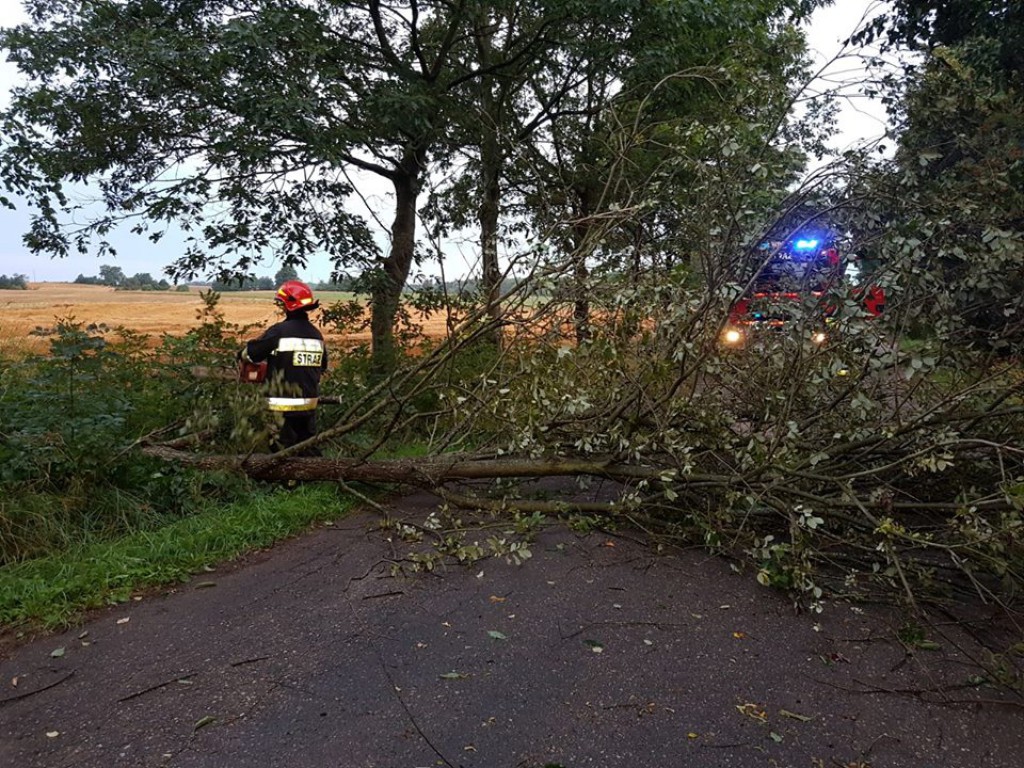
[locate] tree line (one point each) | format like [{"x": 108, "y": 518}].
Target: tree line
[
  {"x": 14, "y": 282},
  {"x": 113, "y": 276}
]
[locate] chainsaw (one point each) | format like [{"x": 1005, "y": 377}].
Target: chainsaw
[{"x": 252, "y": 373}]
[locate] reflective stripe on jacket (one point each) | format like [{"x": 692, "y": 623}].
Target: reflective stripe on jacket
[
  {"x": 289, "y": 404},
  {"x": 285, "y": 344}
]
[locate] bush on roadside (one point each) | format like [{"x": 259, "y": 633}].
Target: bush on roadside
[{"x": 72, "y": 418}]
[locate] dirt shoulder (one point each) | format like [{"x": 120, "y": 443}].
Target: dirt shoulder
[{"x": 596, "y": 652}]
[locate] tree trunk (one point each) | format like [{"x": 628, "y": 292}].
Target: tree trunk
[
  {"x": 387, "y": 290},
  {"x": 490, "y": 193},
  {"x": 425, "y": 472},
  {"x": 490, "y": 176},
  {"x": 582, "y": 248},
  {"x": 581, "y": 306}
]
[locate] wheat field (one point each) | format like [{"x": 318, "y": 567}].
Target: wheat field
[{"x": 152, "y": 313}]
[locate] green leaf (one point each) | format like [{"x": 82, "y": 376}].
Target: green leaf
[
  {"x": 497, "y": 635},
  {"x": 453, "y": 676}
]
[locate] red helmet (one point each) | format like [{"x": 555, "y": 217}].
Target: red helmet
[{"x": 294, "y": 295}]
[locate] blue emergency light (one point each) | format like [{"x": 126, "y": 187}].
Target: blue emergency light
[{"x": 805, "y": 245}]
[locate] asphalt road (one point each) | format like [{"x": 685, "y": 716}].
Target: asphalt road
[{"x": 595, "y": 652}]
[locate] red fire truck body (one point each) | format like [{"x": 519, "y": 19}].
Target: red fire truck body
[{"x": 797, "y": 278}]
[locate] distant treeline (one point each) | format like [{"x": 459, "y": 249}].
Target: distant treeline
[
  {"x": 254, "y": 283},
  {"x": 13, "y": 282},
  {"x": 463, "y": 287},
  {"x": 343, "y": 283},
  {"x": 244, "y": 284},
  {"x": 117, "y": 279}
]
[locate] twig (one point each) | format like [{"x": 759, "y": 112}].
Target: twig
[
  {"x": 37, "y": 690},
  {"x": 253, "y": 660},
  {"x": 367, "y": 572},
  {"x": 895, "y": 560},
  {"x": 916, "y": 692},
  {"x": 408, "y": 712},
  {"x": 361, "y": 496},
  {"x": 151, "y": 688},
  {"x": 470, "y": 501}
]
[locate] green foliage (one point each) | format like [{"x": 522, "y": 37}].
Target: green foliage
[
  {"x": 398, "y": 420},
  {"x": 72, "y": 418},
  {"x": 445, "y": 539},
  {"x": 853, "y": 466},
  {"x": 928, "y": 24},
  {"x": 945, "y": 216},
  {"x": 53, "y": 589},
  {"x": 859, "y": 465},
  {"x": 68, "y": 413},
  {"x": 137, "y": 42},
  {"x": 86, "y": 518},
  {"x": 320, "y": 88},
  {"x": 112, "y": 275},
  {"x": 143, "y": 281},
  {"x": 220, "y": 411}
]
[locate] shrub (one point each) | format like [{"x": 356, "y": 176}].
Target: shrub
[{"x": 71, "y": 420}]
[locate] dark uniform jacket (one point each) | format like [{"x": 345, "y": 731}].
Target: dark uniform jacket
[{"x": 296, "y": 357}]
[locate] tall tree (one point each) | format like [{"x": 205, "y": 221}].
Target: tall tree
[
  {"x": 511, "y": 40},
  {"x": 285, "y": 273},
  {"x": 512, "y": 46},
  {"x": 670, "y": 92},
  {"x": 237, "y": 122},
  {"x": 112, "y": 275},
  {"x": 958, "y": 167}
]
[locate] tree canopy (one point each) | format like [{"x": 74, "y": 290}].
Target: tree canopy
[{"x": 243, "y": 125}]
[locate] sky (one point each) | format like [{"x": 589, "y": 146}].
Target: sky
[{"x": 861, "y": 121}]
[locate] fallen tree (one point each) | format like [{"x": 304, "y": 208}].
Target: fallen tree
[
  {"x": 883, "y": 463},
  {"x": 890, "y": 475}
]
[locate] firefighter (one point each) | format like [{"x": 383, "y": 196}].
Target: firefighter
[{"x": 296, "y": 358}]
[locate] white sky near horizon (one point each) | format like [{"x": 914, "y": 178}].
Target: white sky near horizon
[{"x": 861, "y": 121}]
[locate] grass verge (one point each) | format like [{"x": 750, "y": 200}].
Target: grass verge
[{"x": 52, "y": 591}]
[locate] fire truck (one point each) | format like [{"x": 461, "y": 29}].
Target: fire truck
[{"x": 794, "y": 285}]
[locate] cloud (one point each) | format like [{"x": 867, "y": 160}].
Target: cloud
[{"x": 861, "y": 119}]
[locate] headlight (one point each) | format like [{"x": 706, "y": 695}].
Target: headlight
[
  {"x": 732, "y": 337},
  {"x": 819, "y": 337}
]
